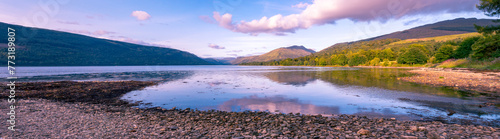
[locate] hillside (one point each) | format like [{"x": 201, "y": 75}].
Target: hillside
[
  {"x": 277, "y": 54},
  {"x": 448, "y": 27},
  {"x": 43, "y": 47},
  {"x": 443, "y": 28},
  {"x": 395, "y": 52}
]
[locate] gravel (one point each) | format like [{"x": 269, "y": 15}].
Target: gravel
[{"x": 58, "y": 118}]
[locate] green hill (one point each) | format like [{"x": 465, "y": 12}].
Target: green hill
[
  {"x": 277, "y": 54},
  {"x": 443, "y": 28},
  {"x": 459, "y": 50},
  {"x": 43, "y": 47}
]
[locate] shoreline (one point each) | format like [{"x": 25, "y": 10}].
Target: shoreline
[
  {"x": 49, "y": 113},
  {"x": 485, "y": 82}
]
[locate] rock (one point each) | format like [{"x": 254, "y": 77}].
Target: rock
[
  {"x": 421, "y": 128},
  {"x": 363, "y": 132},
  {"x": 173, "y": 127},
  {"x": 413, "y": 128},
  {"x": 455, "y": 137},
  {"x": 409, "y": 137}
]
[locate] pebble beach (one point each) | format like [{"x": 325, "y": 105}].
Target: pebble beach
[{"x": 42, "y": 115}]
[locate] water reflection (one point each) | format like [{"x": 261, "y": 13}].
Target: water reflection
[
  {"x": 162, "y": 76},
  {"x": 376, "y": 77},
  {"x": 275, "y": 104},
  {"x": 295, "y": 78},
  {"x": 308, "y": 90}
]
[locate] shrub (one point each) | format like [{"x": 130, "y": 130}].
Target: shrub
[
  {"x": 444, "y": 52},
  {"x": 387, "y": 62},
  {"x": 375, "y": 62},
  {"x": 432, "y": 60}
]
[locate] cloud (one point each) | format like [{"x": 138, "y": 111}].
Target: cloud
[
  {"x": 300, "y": 5},
  {"x": 69, "y": 22},
  {"x": 234, "y": 51},
  {"x": 207, "y": 19},
  {"x": 135, "y": 41},
  {"x": 140, "y": 15},
  {"x": 214, "y": 46},
  {"x": 321, "y": 12},
  {"x": 94, "y": 33}
]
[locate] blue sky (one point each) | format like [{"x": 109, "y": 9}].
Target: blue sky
[{"x": 225, "y": 28}]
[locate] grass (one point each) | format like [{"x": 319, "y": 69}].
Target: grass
[
  {"x": 407, "y": 65},
  {"x": 490, "y": 64},
  {"x": 437, "y": 39}
]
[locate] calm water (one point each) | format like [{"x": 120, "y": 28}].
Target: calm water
[{"x": 306, "y": 90}]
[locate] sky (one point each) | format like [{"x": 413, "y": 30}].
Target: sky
[{"x": 231, "y": 28}]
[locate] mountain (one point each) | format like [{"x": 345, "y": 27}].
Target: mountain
[
  {"x": 43, "y": 47},
  {"x": 443, "y": 28},
  {"x": 448, "y": 27},
  {"x": 276, "y": 54},
  {"x": 220, "y": 61}
]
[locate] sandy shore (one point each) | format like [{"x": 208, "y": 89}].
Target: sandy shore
[{"x": 42, "y": 116}]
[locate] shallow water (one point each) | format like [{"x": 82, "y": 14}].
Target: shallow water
[{"x": 305, "y": 90}]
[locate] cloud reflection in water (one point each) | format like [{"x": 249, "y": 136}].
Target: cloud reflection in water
[{"x": 276, "y": 103}]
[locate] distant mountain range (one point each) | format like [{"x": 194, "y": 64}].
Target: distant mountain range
[
  {"x": 276, "y": 54},
  {"x": 220, "y": 61},
  {"x": 43, "y": 47}
]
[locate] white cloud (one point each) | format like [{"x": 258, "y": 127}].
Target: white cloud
[
  {"x": 321, "y": 12},
  {"x": 140, "y": 15},
  {"x": 92, "y": 33}
]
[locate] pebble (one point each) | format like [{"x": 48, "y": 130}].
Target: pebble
[{"x": 42, "y": 118}]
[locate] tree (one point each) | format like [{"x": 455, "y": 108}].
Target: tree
[
  {"x": 490, "y": 8},
  {"x": 444, "y": 53},
  {"x": 339, "y": 59},
  {"x": 357, "y": 59},
  {"x": 386, "y": 54},
  {"x": 421, "y": 47},
  {"x": 412, "y": 55},
  {"x": 322, "y": 61},
  {"x": 465, "y": 48},
  {"x": 486, "y": 47}
]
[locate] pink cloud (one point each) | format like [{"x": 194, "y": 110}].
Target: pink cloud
[
  {"x": 140, "y": 15},
  {"x": 69, "y": 22},
  {"x": 207, "y": 19},
  {"x": 300, "y": 5},
  {"x": 321, "y": 12},
  {"x": 215, "y": 46}
]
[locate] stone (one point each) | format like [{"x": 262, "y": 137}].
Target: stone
[{"x": 363, "y": 132}]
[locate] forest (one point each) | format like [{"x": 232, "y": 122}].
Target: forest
[{"x": 471, "y": 50}]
